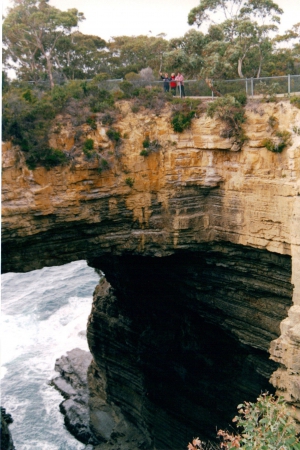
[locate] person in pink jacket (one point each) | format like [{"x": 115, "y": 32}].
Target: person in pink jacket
[{"x": 180, "y": 84}]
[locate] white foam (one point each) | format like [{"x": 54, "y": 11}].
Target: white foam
[{"x": 33, "y": 345}]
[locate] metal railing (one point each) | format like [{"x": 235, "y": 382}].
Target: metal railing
[{"x": 280, "y": 85}]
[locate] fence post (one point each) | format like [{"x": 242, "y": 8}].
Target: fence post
[
  {"x": 252, "y": 86},
  {"x": 289, "y": 84},
  {"x": 246, "y": 84}
]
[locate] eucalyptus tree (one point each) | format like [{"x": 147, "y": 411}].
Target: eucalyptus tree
[
  {"x": 80, "y": 56},
  {"x": 134, "y": 53},
  {"x": 245, "y": 25},
  {"x": 32, "y": 31},
  {"x": 186, "y": 53}
]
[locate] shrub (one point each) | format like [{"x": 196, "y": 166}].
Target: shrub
[
  {"x": 266, "y": 424},
  {"x": 296, "y": 130},
  {"x": 127, "y": 88},
  {"x": 268, "y": 91},
  {"x": 50, "y": 157},
  {"x": 240, "y": 97},
  {"x": 100, "y": 99},
  {"x": 114, "y": 135},
  {"x": 129, "y": 181},
  {"x": 107, "y": 119},
  {"x": 181, "y": 120},
  {"x": 295, "y": 101},
  {"x": 184, "y": 110},
  {"x": 103, "y": 165},
  {"x": 88, "y": 147},
  {"x": 273, "y": 122},
  {"x": 282, "y": 139},
  {"x": 232, "y": 113},
  {"x": 91, "y": 121},
  {"x": 135, "y": 108},
  {"x": 150, "y": 146}
]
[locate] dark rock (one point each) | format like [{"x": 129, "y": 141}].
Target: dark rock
[
  {"x": 6, "y": 438},
  {"x": 179, "y": 341},
  {"x": 88, "y": 417},
  {"x": 72, "y": 383}
]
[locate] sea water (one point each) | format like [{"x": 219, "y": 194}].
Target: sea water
[{"x": 44, "y": 314}]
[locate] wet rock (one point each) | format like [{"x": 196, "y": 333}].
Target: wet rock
[
  {"x": 88, "y": 416},
  {"x": 6, "y": 438},
  {"x": 72, "y": 383}
]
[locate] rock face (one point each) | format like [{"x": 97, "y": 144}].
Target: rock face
[
  {"x": 201, "y": 246},
  {"x": 73, "y": 385},
  {"x": 87, "y": 416},
  {"x": 6, "y": 438},
  {"x": 177, "y": 333}
]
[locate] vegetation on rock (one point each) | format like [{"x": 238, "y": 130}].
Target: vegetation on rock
[
  {"x": 281, "y": 140},
  {"x": 230, "y": 111},
  {"x": 264, "y": 425},
  {"x": 150, "y": 146}
]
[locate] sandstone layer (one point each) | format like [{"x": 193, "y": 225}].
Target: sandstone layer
[{"x": 233, "y": 217}]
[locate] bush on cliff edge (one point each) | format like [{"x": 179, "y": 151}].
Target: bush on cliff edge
[{"x": 264, "y": 425}]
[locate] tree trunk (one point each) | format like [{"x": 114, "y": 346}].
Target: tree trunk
[
  {"x": 49, "y": 70},
  {"x": 209, "y": 83},
  {"x": 260, "y": 66},
  {"x": 240, "y": 64}
]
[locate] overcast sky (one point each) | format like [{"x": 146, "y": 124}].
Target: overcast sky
[{"x": 107, "y": 18}]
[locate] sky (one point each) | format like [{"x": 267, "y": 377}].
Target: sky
[{"x": 108, "y": 18}]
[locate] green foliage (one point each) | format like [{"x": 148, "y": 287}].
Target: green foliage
[
  {"x": 241, "y": 42},
  {"x": 232, "y": 113},
  {"x": 88, "y": 148},
  {"x": 127, "y": 88},
  {"x": 150, "y": 146},
  {"x": 108, "y": 119},
  {"x": 88, "y": 144},
  {"x": 129, "y": 181},
  {"x": 114, "y": 135},
  {"x": 103, "y": 165},
  {"x": 33, "y": 32},
  {"x": 240, "y": 97},
  {"x": 268, "y": 91},
  {"x": 91, "y": 121},
  {"x": 184, "y": 110},
  {"x": 280, "y": 142},
  {"x": 266, "y": 424},
  {"x": 181, "y": 120},
  {"x": 28, "y": 115},
  {"x": 296, "y": 130},
  {"x": 295, "y": 101},
  {"x": 50, "y": 157},
  {"x": 273, "y": 122},
  {"x": 100, "y": 99}
]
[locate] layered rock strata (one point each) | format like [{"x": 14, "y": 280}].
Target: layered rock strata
[
  {"x": 181, "y": 340},
  {"x": 88, "y": 416},
  {"x": 194, "y": 197}
]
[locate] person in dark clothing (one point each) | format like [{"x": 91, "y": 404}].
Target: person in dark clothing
[
  {"x": 173, "y": 84},
  {"x": 166, "y": 81}
]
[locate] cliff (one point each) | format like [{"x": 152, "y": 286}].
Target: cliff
[{"x": 217, "y": 231}]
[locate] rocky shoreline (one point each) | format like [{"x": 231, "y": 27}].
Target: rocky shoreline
[
  {"x": 86, "y": 415},
  {"x": 6, "y": 438}
]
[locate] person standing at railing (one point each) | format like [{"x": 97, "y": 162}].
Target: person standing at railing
[
  {"x": 166, "y": 81},
  {"x": 180, "y": 84},
  {"x": 173, "y": 84}
]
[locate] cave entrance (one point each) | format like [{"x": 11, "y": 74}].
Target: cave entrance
[{"x": 181, "y": 340}]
